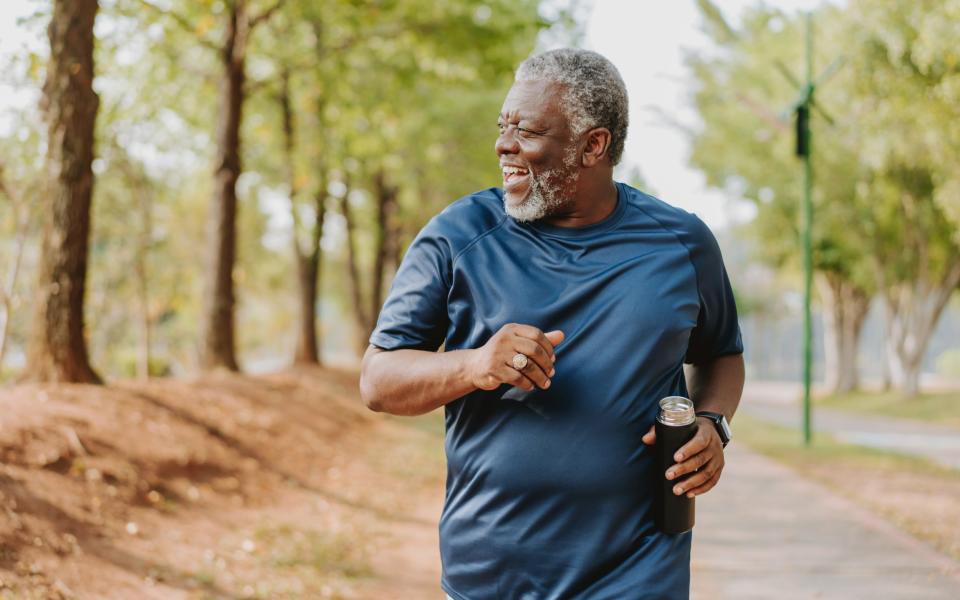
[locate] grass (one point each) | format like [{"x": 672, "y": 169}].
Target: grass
[
  {"x": 321, "y": 552},
  {"x": 913, "y": 493},
  {"x": 786, "y": 444},
  {"x": 942, "y": 408}
]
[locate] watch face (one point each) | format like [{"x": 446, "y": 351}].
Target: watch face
[{"x": 726, "y": 428}]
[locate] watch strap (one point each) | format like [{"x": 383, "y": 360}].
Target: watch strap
[{"x": 717, "y": 418}]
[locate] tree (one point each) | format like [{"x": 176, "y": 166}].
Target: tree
[
  {"x": 379, "y": 100},
  {"x": 57, "y": 349},
  {"x": 902, "y": 92},
  {"x": 20, "y": 217},
  {"x": 306, "y": 256},
  {"x": 217, "y": 335},
  {"x": 745, "y": 148}
]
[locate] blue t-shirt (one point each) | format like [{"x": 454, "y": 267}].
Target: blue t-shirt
[{"x": 549, "y": 493}]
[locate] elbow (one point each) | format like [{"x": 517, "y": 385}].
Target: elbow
[{"x": 369, "y": 393}]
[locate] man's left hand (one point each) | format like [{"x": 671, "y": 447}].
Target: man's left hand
[{"x": 702, "y": 456}]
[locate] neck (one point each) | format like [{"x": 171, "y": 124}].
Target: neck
[{"x": 595, "y": 200}]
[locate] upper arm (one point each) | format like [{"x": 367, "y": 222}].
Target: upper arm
[
  {"x": 717, "y": 332},
  {"x": 414, "y": 314}
]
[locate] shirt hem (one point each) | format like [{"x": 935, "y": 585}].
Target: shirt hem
[{"x": 449, "y": 591}]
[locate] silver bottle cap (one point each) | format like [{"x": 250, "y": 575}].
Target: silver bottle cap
[{"x": 676, "y": 411}]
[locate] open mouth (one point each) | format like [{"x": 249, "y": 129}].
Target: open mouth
[{"x": 514, "y": 177}]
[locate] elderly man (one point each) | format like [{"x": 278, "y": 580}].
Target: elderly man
[{"x": 568, "y": 304}]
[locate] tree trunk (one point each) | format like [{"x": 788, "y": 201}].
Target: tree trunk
[
  {"x": 886, "y": 383},
  {"x": 912, "y": 310},
  {"x": 308, "y": 345},
  {"x": 57, "y": 349},
  {"x": 360, "y": 314},
  {"x": 386, "y": 244},
  {"x": 218, "y": 348},
  {"x": 845, "y": 307},
  {"x": 143, "y": 289},
  {"x": 307, "y": 350}
]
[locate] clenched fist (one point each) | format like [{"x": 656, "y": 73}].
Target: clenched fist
[{"x": 491, "y": 365}]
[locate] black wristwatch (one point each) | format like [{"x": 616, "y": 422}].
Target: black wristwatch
[{"x": 720, "y": 422}]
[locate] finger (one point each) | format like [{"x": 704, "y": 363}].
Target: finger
[
  {"x": 555, "y": 337},
  {"x": 514, "y": 377},
  {"x": 697, "y": 444},
  {"x": 533, "y": 372},
  {"x": 532, "y": 333},
  {"x": 536, "y": 353},
  {"x": 696, "y": 480},
  {"x": 690, "y": 465},
  {"x": 703, "y": 489},
  {"x": 650, "y": 437}
]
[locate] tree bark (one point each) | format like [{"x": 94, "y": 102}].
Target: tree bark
[
  {"x": 307, "y": 350},
  {"x": 912, "y": 310},
  {"x": 845, "y": 307},
  {"x": 218, "y": 347},
  {"x": 56, "y": 348},
  {"x": 363, "y": 322},
  {"x": 386, "y": 247},
  {"x": 143, "y": 287}
]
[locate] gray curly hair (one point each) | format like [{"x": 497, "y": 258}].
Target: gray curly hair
[{"x": 594, "y": 94}]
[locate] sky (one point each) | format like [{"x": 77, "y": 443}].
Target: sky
[{"x": 645, "y": 39}]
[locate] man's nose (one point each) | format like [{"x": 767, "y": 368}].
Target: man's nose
[{"x": 506, "y": 143}]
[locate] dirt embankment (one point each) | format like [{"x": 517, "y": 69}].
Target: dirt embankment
[{"x": 280, "y": 486}]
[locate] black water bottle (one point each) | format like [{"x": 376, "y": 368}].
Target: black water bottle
[{"x": 676, "y": 425}]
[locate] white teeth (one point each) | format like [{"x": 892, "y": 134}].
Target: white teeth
[{"x": 513, "y": 170}]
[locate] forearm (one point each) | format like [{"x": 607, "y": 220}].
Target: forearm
[
  {"x": 716, "y": 386},
  {"x": 413, "y": 382}
]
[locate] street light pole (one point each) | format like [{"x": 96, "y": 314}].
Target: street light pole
[
  {"x": 804, "y": 142},
  {"x": 802, "y": 109}
]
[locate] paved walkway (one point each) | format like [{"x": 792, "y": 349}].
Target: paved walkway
[
  {"x": 779, "y": 403},
  {"x": 764, "y": 532}
]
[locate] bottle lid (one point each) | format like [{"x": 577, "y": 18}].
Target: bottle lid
[{"x": 676, "y": 411}]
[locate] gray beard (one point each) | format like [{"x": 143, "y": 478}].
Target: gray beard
[{"x": 546, "y": 192}]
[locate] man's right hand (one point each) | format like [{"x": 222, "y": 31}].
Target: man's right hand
[{"x": 491, "y": 364}]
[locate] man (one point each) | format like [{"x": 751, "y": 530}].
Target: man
[{"x": 568, "y": 305}]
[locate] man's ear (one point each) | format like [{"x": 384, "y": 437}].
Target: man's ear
[{"x": 597, "y": 146}]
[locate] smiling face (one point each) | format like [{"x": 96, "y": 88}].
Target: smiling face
[{"x": 537, "y": 154}]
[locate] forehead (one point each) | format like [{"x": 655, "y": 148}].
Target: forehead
[{"x": 537, "y": 99}]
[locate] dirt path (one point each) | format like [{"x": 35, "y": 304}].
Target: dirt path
[{"x": 280, "y": 486}]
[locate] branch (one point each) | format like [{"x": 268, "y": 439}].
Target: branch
[
  {"x": 184, "y": 23},
  {"x": 4, "y": 190},
  {"x": 266, "y": 14}
]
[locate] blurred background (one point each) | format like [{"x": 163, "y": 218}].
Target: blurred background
[{"x": 229, "y": 186}]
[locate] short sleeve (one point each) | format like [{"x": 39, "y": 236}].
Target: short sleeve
[
  {"x": 415, "y": 312},
  {"x": 717, "y": 332}
]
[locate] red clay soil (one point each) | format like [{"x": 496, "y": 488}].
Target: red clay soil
[{"x": 280, "y": 486}]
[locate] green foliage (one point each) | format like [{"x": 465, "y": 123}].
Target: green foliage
[
  {"x": 22, "y": 174},
  {"x": 885, "y": 172},
  {"x": 409, "y": 88},
  {"x": 902, "y": 94},
  {"x": 746, "y": 145}
]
